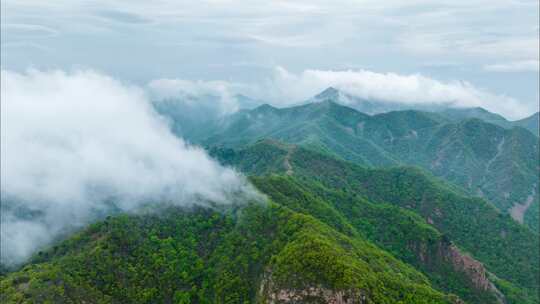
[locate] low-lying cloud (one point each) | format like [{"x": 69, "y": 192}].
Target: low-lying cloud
[
  {"x": 391, "y": 87},
  {"x": 74, "y": 142},
  {"x": 186, "y": 90},
  {"x": 286, "y": 88}
]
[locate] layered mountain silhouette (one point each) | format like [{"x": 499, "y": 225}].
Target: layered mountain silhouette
[
  {"x": 482, "y": 158},
  {"x": 374, "y": 206},
  {"x": 530, "y": 123}
]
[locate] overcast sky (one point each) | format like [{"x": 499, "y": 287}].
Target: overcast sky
[{"x": 491, "y": 45}]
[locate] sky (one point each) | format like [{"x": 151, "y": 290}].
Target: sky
[{"x": 489, "y": 46}]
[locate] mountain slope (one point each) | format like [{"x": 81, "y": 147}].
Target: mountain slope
[
  {"x": 508, "y": 250},
  {"x": 331, "y": 231},
  {"x": 498, "y": 164},
  {"x": 401, "y": 232},
  {"x": 452, "y": 114},
  {"x": 325, "y": 125},
  {"x": 263, "y": 254},
  {"x": 530, "y": 123},
  {"x": 484, "y": 159},
  {"x": 459, "y": 114}
]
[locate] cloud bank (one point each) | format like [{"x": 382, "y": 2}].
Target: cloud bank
[
  {"x": 72, "y": 143},
  {"x": 187, "y": 91},
  {"x": 285, "y": 88},
  {"x": 390, "y": 87}
]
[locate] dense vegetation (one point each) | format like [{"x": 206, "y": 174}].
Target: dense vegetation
[
  {"x": 530, "y": 123},
  {"x": 482, "y": 158},
  {"x": 509, "y": 250},
  {"x": 343, "y": 219},
  {"x": 202, "y": 256},
  {"x": 400, "y": 232}
]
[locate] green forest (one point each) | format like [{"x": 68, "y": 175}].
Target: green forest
[{"x": 355, "y": 209}]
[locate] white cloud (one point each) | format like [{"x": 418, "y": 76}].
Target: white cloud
[
  {"x": 70, "y": 141},
  {"x": 515, "y": 66},
  {"x": 287, "y": 88},
  {"x": 391, "y": 35},
  {"x": 194, "y": 91}
]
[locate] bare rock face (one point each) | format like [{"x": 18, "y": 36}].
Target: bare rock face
[
  {"x": 271, "y": 294},
  {"x": 315, "y": 294},
  {"x": 444, "y": 252},
  {"x": 474, "y": 269}
]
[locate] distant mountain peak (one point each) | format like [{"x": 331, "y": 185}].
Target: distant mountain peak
[
  {"x": 328, "y": 93},
  {"x": 531, "y": 123},
  {"x": 480, "y": 109},
  {"x": 265, "y": 108}
]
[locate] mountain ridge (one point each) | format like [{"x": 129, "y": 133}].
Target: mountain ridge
[
  {"x": 484, "y": 159},
  {"x": 358, "y": 208},
  {"x": 478, "y": 222}
]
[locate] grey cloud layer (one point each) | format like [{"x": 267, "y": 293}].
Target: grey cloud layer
[
  {"x": 208, "y": 39},
  {"x": 469, "y": 27},
  {"x": 72, "y": 141}
]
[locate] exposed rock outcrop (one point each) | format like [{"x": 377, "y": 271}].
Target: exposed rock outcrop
[
  {"x": 474, "y": 270},
  {"x": 316, "y": 294},
  {"x": 518, "y": 210},
  {"x": 273, "y": 294},
  {"x": 443, "y": 254}
]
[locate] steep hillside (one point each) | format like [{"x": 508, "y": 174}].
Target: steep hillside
[
  {"x": 459, "y": 114},
  {"x": 488, "y": 161},
  {"x": 331, "y": 232},
  {"x": 264, "y": 254},
  {"x": 450, "y": 113},
  {"x": 485, "y": 160},
  {"x": 325, "y": 125},
  {"x": 360, "y": 209},
  {"x": 401, "y": 232},
  {"x": 507, "y": 249},
  {"x": 530, "y": 123}
]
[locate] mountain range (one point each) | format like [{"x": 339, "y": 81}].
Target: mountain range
[
  {"x": 376, "y": 206},
  {"x": 481, "y": 158},
  {"x": 453, "y": 113}
]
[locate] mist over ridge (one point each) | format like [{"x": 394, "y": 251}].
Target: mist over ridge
[
  {"x": 79, "y": 139},
  {"x": 285, "y": 88},
  {"x": 73, "y": 144}
]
